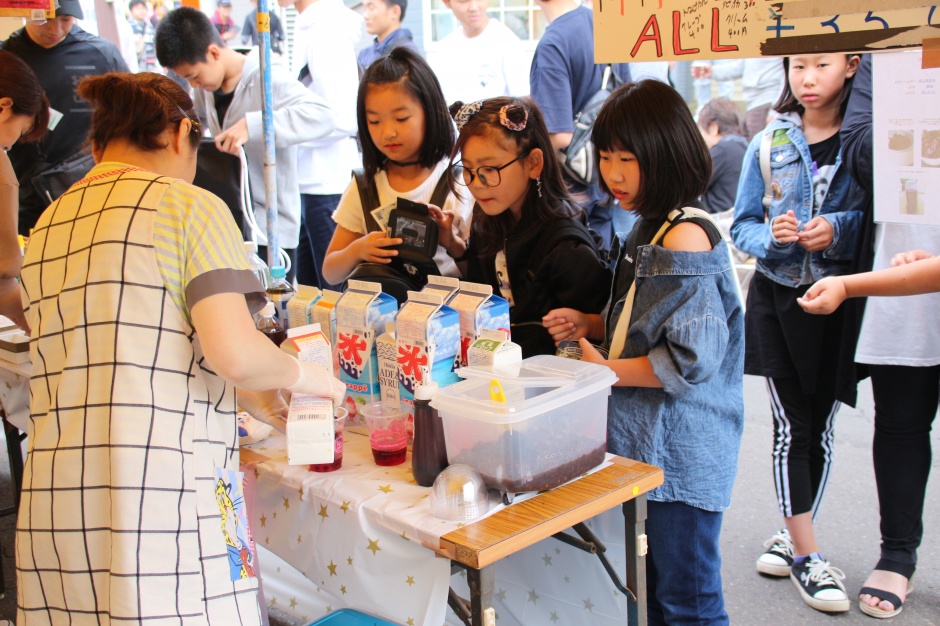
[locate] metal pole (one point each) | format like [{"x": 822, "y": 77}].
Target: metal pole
[{"x": 267, "y": 118}]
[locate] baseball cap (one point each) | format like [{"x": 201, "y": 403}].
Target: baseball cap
[{"x": 70, "y": 7}]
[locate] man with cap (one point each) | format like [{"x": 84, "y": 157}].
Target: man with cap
[{"x": 60, "y": 53}]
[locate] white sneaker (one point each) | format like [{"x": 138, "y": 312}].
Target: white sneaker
[
  {"x": 778, "y": 559},
  {"x": 820, "y": 584}
]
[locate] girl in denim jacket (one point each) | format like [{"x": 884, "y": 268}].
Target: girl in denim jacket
[
  {"x": 678, "y": 403},
  {"x": 808, "y": 231}
]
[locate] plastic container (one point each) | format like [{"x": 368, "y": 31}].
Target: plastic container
[
  {"x": 280, "y": 292},
  {"x": 429, "y": 452},
  {"x": 269, "y": 326},
  {"x": 258, "y": 266},
  {"x": 459, "y": 494},
  {"x": 350, "y": 617},
  {"x": 546, "y": 425}
]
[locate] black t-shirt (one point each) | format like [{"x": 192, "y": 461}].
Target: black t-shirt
[
  {"x": 727, "y": 158},
  {"x": 824, "y": 155},
  {"x": 222, "y": 102}
]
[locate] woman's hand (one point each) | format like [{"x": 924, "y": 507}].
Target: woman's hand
[
  {"x": 816, "y": 235},
  {"x": 374, "y": 247},
  {"x": 785, "y": 228},
  {"x": 566, "y": 324},
  {"x": 11, "y": 303},
  {"x": 265, "y": 406},
  {"x": 825, "y": 296}
]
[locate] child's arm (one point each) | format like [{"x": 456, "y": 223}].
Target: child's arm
[
  {"x": 913, "y": 273},
  {"x": 348, "y": 249},
  {"x": 449, "y": 238},
  {"x": 635, "y": 372}
]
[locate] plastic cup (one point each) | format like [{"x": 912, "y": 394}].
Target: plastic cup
[
  {"x": 339, "y": 424},
  {"x": 388, "y": 432}
]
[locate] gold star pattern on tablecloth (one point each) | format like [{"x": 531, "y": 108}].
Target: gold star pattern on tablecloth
[
  {"x": 345, "y": 506},
  {"x": 274, "y": 515},
  {"x": 410, "y": 580},
  {"x": 264, "y": 520},
  {"x": 501, "y": 594},
  {"x": 343, "y": 589},
  {"x": 548, "y": 560},
  {"x": 349, "y": 560},
  {"x": 567, "y": 580},
  {"x": 386, "y": 488},
  {"x": 404, "y": 536},
  {"x": 588, "y": 605},
  {"x": 533, "y": 597},
  {"x": 293, "y": 602},
  {"x": 300, "y": 490},
  {"x": 554, "y": 616},
  {"x": 299, "y": 539},
  {"x": 323, "y": 512},
  {"x": 286, "y": 503},
  {"x": 332, "y": 568},
  {"x": 373, "y": 545},
  {"x": 267, "y": 540},
  {"x": 410, "y": 622}
]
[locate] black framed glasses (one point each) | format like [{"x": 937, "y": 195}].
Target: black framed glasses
[{"x": 488, "y": 174}]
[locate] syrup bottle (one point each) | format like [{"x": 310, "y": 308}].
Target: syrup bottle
[
  {"x": 268, "y": 325},
  {"x": 429, "y": 454}
]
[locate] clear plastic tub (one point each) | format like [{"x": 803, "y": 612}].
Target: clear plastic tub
[{"x": 548, "y": 426}]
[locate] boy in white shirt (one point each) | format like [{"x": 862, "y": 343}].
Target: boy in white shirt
[{"x": 482, "y": 58}]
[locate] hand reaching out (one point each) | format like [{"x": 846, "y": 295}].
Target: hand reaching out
[
  {"x": 374, "y": 247},
  {"x": 825, "y": 296},
  {"x": 232, "y": 139}
]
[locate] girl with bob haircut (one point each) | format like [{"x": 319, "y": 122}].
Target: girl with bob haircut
[
  {"x": 528, "y": 239},
  {"x": 140, "y": 298},
  {"x": 674, "y": 330},
  {"x": 24, "y": 116},
  {"x": 406, "y": 135},
  {"x": 804, "y": 229}
]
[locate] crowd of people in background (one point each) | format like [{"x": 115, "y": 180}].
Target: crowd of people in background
[{"x": 482, "y": 135}]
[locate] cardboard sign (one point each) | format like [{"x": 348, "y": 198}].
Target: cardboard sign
[
  {"x": 30, "y": 9},
  {"x": 676, "y": 30}
]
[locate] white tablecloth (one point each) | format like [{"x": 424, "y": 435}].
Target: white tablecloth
[
  {"x": 14, "y": 392},
  {"x": 352, "y": 538}
]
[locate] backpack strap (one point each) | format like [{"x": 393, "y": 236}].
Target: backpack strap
[
  {"x": 439, "y": 195},
  {"x": 368, "y": 198},
  {"x": 765, "y": 142}
]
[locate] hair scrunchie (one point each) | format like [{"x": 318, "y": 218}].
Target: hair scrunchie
[
  {"x": 510, "y": 124},
  {"x": 466, "y": 112}
]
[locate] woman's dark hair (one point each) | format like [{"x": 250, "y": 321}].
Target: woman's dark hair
[
  {"x": 184, "y": 36},
  {"x": 651, "y": 120},
  {"x": 787, "y": 103},
  {"x": 150, "y": 104},
  {"x": 488, "y": 232},
  {"x": 19, "y": 83},
  {"x": 723, "y": 113},
  {"x": 404, "y": 66}
]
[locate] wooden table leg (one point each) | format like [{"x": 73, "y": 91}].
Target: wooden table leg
[
  {"x": 634, "y": 512},
  {"x": 482, "y": 582}
]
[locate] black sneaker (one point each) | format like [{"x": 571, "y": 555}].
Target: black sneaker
[
  {"x": 820, "y": 584},
  {"x": 778, "y": 559}
]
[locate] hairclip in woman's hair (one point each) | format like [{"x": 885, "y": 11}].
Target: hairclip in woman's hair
[
  {"x": 514, "y": 117},
  {"x": 466, "y": 112}
]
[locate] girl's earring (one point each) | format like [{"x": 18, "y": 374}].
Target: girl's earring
[{"x": 538, "y": 185}]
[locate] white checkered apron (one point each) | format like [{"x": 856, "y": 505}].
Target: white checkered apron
[{"x": 118, "y": 522}]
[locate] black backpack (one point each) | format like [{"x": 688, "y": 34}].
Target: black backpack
[
  {"x": 401, "y": 275},
  {"x": 578, "y": 162}
]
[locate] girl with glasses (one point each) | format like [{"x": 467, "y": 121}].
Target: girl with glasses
[{"x": 528, "y": 237}]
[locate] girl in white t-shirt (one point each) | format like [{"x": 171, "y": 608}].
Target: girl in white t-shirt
[{"x": 407, "y": 135}]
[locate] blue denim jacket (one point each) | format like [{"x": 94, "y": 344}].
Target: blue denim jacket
[
  {"x": 687, "y": 319},
  {"x": 790, "y": 164}
]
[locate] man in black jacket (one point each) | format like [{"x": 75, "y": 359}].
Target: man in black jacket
[{"x": 61, "y": 54}]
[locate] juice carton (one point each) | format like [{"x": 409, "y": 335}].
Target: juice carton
[
  {"x": 479, "y": 310},
  {"x": 428, "y": 336},
  {"x": 323, "y": 312},
  {"x": 361, "y": 314},
  {"x": 493, "y": 349},
  {"x": 299, "y": 307},
  {"x": 309, "y": 343},
  {"x": 444, "y": 285},
  {"x": 387, "y": 350}
]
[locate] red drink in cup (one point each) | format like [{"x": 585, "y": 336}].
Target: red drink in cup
[
  {"x": 388, "y": 432},
  {"x": 339, "y": 423}
]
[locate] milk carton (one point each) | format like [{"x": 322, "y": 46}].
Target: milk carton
[
  {"x": 493, "y": 349},
  {"x": 300, "y": 306},
  {"x": 309, "y": 343},
  {"x": 361, "y": 314},
  {"x": 323, "y": 312},
  {"x": 427, "y": 334},
  {"x": 387, "y": 350},
  {"x": 479, "y": 310},
  {"x": 446, "y": 286}
]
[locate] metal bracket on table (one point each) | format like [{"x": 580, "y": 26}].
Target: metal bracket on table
[
  {"x": 481, "y": 592},
  {"x": 592, "y": 545}
]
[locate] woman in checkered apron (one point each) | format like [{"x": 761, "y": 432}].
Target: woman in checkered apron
[{"x": 139, "y": 295}]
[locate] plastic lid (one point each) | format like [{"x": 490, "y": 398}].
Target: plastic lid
[
  {"x": 458, "y": 494},
  {"x": 251, "y": 246},
  {"x": 426, "y": 391},
  {"x": 278, "y": 272}
]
